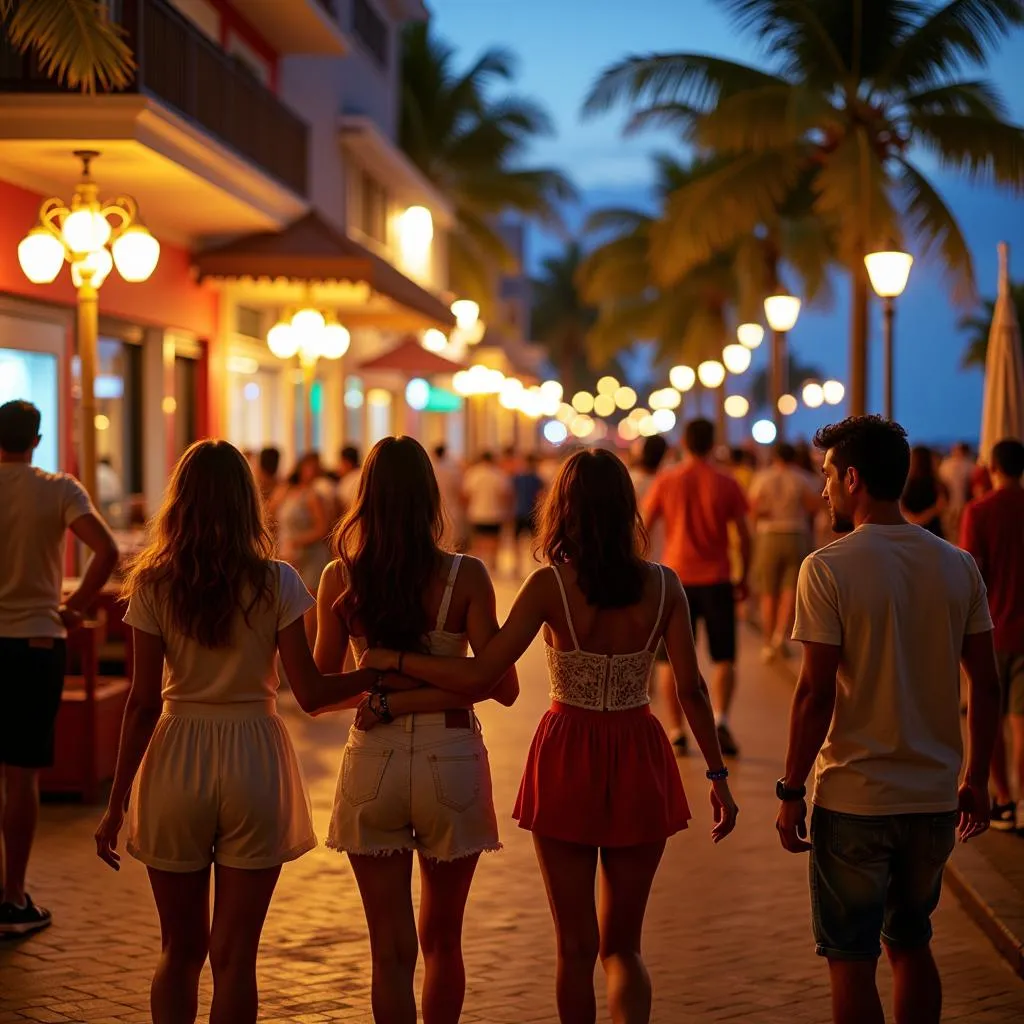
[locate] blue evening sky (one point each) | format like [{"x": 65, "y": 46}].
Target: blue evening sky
[{"x": 562, "y": 45}]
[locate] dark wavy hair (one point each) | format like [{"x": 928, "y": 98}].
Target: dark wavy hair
[
  {"x": 209, "y": 549},
  {"x": 390, "y": 545},
  {"x": 876, "y": 447},
  {"x": 590, "y": 518}
]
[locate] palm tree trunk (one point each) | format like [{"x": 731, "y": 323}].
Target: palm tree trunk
[
  {"x": 859, "y": 306},
  {"x": 721, "y": 422}
]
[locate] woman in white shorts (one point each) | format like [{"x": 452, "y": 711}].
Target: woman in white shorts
[
  {"x": 211, "y": 770},
  {"x": 419, "y": 781}
]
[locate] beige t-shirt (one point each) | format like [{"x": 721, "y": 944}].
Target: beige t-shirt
[
  {"x": 898, "y": 601},
  {"x": 488, "y": 493},
  {"x": 244, "y": 670},
  {"x": 36, "y": 508},
  {"x": 778, "y": 495}
]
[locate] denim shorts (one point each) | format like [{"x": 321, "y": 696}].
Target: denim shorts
[{"x": 876, "y": 879}]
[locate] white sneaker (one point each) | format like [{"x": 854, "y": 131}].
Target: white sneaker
[{"x": 767, "y": 654}]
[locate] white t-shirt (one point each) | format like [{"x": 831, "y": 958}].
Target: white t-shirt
[
  {"x": 488, "y": 492},
  {"x": 899, "y": 601},
  {"x": 779, "y": 495},
  {"x": 245, "y": 669},
  {"x": 36, "y": 508},
  {"x": 642, "y": 481}
]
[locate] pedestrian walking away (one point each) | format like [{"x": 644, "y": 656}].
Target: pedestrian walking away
[
  {"x": 37, "y": 510},
  {"x": 209, "y": 765},
  {"x": 414, "y": 776},
  {"x": 600, "y": 785},
  {"x": 886, "y": 616},
  {"x": 697, "y": 503},
  {"x": 487, "y": 491}
]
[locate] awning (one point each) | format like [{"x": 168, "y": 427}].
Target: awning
[
  {"x": 411, "y": 359},
  {"x": 312, "y": 251}
]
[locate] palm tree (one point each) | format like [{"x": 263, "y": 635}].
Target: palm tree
[
  {"x": 979, "y": 325},
  {"x": 74, "y": 41},
  {"x": 561, "y": 318},
  {"x": 471, "y": 146},
  {"x": 854, "y": 86}
]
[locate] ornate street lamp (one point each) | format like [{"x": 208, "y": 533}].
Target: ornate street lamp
[
  {"x": 889, "y": 272},
  {"x": 781, "y": 310},
  {"x": 94, "y": 236}
]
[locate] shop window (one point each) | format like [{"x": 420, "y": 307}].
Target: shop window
[
  {"x": 373, "y": 208},
  {"x": 249, "y": 322},
  {"x": 371, "y": 30},
  {"x": 119, "y": 443},
  {"x": 253, "y": 402},
  {"x": 33, "y": 377},
  {"x": 186, "y": 419}
]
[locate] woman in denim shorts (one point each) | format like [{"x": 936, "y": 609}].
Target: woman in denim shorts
[{"x": 419, "y": 780}]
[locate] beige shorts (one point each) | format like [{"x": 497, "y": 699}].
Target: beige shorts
[
  {"x": 220, "y": 783},
  {"x": 421, "y": 783},
  {"x": 777, "y": 560}
]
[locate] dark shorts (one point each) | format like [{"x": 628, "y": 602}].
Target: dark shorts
[
  {"x": 487, "y": 529},
  {"x": 31, "y": 683},
  {"x": 876, "y": 879},
  {"x": 527, "y": 525},
  {"x": 714, "y": 605},
  {"x": 1011, "y": 682}
]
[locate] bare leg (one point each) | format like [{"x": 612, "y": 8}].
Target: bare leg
[
  {"x": 855, "y": 997},
  {"x": 786, "y": 611},
  {"x": 1000, "y": 767},
  {"x": 769, "y": 610},
  {"x": 20, "y": 814},
  {"x": 917, "y": 987},
  {"x": 626, "y": 878},
  {"x": 241, "y": 899},
  {"x": 385, "y": 884},
  {"x": 445, "y": 889},
  {"x": 183, "y": 903},
  {"x": 723, "y": 687},
  {"x": 568, "y": 870},
  {"x": 671, "y": 708},
  {"x": 1017, "y": 740}
]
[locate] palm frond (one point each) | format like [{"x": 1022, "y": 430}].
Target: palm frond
[
  {"x": 615, "y": 270},
  {"x": 620, "y": 220},
  {"x": 978, "y": 327},
  {"x": 933, "y": 223},
  {"x": 75, "y": 41},
  {"x": 680, "y": 117},
  {"x": 985, "y": 149},
  {"x": 692, "y": 79},
  {"x": 978, "y": 98}
]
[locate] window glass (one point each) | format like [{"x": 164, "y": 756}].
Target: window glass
[{"x": 33, "y": 377}]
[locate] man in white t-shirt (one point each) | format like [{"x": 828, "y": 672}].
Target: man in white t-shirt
[
  {"x": 886, "y": 615},
  {"x": 36, "y": 509},
  {"x": 783, "y": 499},
  {"x": 487, "y": 490}
]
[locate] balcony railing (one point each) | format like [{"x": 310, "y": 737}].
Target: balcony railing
[{"x": 179, "y": 66}]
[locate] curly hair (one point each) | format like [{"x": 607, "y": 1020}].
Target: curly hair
[
  {"x": 389, "y": 545},
  {"x": 591, "y": 519},
  {"x": 876, "y": 447},
  {"x": 209, "y": 550}
]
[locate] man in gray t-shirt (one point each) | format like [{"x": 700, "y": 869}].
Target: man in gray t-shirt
[
  {"x": 36, "y": 510},
  {"x": 886, "y": 615}
]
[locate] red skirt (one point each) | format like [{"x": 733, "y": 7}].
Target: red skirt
[{"x": 601, "y": 778}]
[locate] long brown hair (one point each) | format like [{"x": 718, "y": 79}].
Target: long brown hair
[
  {"x": 590, "y": 518},
  {"x": 209, "y": 549},
  {"x": 390, "y": 545}
]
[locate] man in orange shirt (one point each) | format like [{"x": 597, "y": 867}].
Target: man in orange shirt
[{"x": 697, "y": 503}]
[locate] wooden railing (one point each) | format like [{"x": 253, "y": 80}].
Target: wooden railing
[{"x": 181, "y": 67}]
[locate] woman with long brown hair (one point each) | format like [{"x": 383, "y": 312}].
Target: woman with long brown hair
[
  {"x": 601, "y": 783},
  {"x": 211, "y": 770},
  {"x": 419, "y": 782}
]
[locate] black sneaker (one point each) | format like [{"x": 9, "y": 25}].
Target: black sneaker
[
  {"x": 1004, "y": 817},
  {"x": 23, "y": 920},
  {"x": 680, "y": 745},
  {"x": 726, "y": 742}
]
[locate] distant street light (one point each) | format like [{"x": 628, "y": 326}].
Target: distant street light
[
  {"x": 682, "y": 377},
  {"x": 736, "y": 358},
  {"x": 750, "y": 335},
  {"x": 781, "y": 310},
  {"x": 889, "y": 272},
  {"x": 711, "y": 373},
  {"x": 833, "y": 391}
]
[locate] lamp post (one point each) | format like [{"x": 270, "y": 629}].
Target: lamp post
[
  {"x": 889, "y": 272},
  {"x": 781, "y": 310},
  {"x": 81, "y": 233}
]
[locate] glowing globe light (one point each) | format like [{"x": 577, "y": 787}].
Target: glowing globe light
[
  {"x": 813, "y": 394},
  {"x": 379, "y": 397},
  {"x": 549, "y": 401},
  {"x": 889, "y": 272},
  {"x": 417, "y": 393},
  {"x": 782, "y": 311},
  {"x": 41, "y": 255},
  {"x": 99, "y": 263},
  {"x": 664, "y": 420},
  {"x": 532, "y": 403},
  {"x": 354, "y": 398},
  {"x": 736, "y": 358},
  {"x": 582, "y": 426},
  {"x": 136, "y": 253},
  {"x": 434, "y": 340},
  {"x": 555, "y": 432},
  {"x": 682, "y": 378},
  {"x": 466, "y": 313},
  {"x": 604, "y": 405},
  {"x": 565, "y": 413},
  {"x": 334, "y": 341},
  {"x": 638, "y": 414},
  {"x": 282, "y": 340},
  {"x": 552, "y": 390},
  {"x": 85, "y": 229},
  {"x": 625, "y": 398},
  {"x": 736, "y": 406},
  {"x": 607, "y": 386},
  {"x": 583, "y": 402},
  {"x": 750, "y": 335},
  {"x": 462, "y": 383},
  {"x": 628, "y": 430},
  {"x": 788, "y": 404},
  {"x": 833, "y": 392},
  {"x": 647, "y": 426},
  {"x": 763, "y": 432},
  {"x": 511, "y": 393},
  {"x": 711, "y": 373},
  {"x": 308, "y": 321}
]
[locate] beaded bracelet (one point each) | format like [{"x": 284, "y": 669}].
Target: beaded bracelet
[{"x": 718, "y": 775}]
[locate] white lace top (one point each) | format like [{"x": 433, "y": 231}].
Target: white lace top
[
  {"x": 601, "y": 682},
  {"x": 439, "y": 640}
]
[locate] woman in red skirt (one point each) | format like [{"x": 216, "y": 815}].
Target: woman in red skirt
[{"x": 601, "y": 783}]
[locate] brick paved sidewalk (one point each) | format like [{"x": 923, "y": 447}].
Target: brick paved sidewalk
[{"x": 727, "y": 935}]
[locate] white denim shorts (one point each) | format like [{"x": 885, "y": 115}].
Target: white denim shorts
[
  {"x": 220, "y": 783},
  {"x": 421, "y": 783}
]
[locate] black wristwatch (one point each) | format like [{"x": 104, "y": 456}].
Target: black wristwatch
[{"x": 787, "y": 795}]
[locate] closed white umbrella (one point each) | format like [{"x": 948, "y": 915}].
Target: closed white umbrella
[{"x": 1002, "y": 411}]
